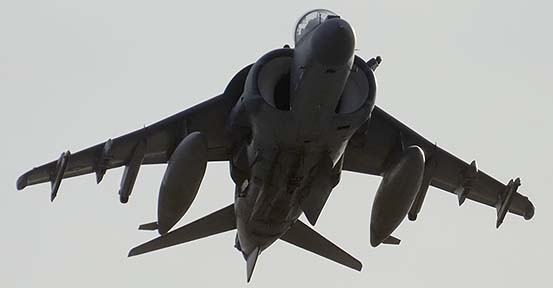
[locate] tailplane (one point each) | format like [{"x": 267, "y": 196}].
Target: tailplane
[
  {"x": 304, "y": 237},
  {"x": 217, "y": 222}
]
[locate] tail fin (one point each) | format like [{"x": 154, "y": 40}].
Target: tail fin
[
  {"x": 217, "y": 222},
  {"x": 304, "y": 237}
]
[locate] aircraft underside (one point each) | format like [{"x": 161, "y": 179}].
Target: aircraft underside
[{"x": 288, "y": 125}]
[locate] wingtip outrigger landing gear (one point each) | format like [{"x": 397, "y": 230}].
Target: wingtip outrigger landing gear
[
  {"x": 58, "y": 176},
  {"x": 504, "y": 200}
]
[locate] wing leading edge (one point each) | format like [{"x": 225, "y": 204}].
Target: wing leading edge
[
  {"x": 380, "y": 140},
  {"x": 153, "y": 144}
]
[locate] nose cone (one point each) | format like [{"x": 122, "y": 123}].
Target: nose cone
[{"x": 333, "y": 42}]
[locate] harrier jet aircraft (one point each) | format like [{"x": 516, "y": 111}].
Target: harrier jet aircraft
[{"x": 288, "y": 125}]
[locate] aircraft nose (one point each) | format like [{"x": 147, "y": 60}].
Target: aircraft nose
[{"x": 334, "y": 42}]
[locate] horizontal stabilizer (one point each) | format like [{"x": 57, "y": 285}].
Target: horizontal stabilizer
[
  {"x": 304, "y": 237},
  {"x": 220, "y": 221},
  {"x": 391, "y": 240},
  {"x": 148, "y": 226}
]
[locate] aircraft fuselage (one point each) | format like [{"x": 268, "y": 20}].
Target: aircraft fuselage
[{"x": 298, "y": 110}]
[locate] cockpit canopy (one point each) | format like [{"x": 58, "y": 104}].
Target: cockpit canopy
[{"x": 310, "y": 21}]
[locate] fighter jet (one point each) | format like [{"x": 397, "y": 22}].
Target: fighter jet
[{"x": 288, "y": 125}]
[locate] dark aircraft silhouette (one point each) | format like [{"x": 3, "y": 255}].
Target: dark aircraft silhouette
[{"x": 288, "y": 125}]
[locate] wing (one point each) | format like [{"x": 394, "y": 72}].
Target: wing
[
  {"x": 380, "y": 140},
  {"x": 153, "y": 144}
]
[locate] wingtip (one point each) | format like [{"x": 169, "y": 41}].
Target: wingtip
[
  {"x": 358, "y": 267},
  {"x": 529, "y": 211},
  {"x": 21, "y": 182},
  {"x": 132, "y": 253},
  {"x": 138, "y": 250}
]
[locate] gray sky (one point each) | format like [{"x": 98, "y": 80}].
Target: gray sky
[{"x": 475, "y": 76}]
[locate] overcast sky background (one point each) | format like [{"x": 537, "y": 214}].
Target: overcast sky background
[{"x": 474, "y": 76}]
